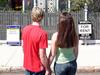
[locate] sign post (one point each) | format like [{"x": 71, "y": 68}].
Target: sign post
[{"x": 13, "y": 35}]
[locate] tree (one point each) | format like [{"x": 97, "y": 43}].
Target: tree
[
  {"x": 95, "y": 6},
  {"x": 62, "y": 5},
  {"x": 77, "y": 5},
  {"x": 16, "y": 4},
  {"x": 3, "y": 4}
]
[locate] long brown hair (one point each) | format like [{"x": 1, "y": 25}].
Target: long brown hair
[{"x": 67, "y": 36}]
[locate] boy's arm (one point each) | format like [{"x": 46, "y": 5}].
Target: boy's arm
[{"x": 44, "y": 59}]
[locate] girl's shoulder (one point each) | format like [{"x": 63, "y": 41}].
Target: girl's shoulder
[{"x": 54, "y": 36}]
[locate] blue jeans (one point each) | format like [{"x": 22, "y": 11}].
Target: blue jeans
[
  {"x": 27, "y": 72},
  {"x": 66, "y": 68}
]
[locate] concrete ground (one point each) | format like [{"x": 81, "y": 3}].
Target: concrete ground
[
  {"x": 11, "y": 59},
  {"x": 80, "y": 73}
]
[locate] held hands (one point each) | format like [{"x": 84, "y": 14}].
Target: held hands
[{"x": 48, "y": 72}]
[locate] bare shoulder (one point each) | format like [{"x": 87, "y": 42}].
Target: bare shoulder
[{"x": 54, "y": 36}]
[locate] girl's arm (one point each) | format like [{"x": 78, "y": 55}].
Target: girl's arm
[
  {"x": 53, "y": 48},
  {"x": 76, "y": 49}
]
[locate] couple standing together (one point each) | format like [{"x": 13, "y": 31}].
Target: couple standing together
[{"x": 64, "y": 46}]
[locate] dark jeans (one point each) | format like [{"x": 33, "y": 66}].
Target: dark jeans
[
  {"x": 27, "y": 72},
  {"x": 66, "y": 68}
]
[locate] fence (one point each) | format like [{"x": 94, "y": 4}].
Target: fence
[{"x": 49, "y": 23}]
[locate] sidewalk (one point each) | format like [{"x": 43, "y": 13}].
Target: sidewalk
[
  {"x": 86, "y": 69},
  {"x": 11, "y": 58}
]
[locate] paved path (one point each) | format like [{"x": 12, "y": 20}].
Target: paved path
[{"x": 93, "y": 73}]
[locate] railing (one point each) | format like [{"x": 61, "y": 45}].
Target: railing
[{"x": 49, "y": 23}]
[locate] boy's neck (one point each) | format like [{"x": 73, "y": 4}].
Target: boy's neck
[{"x": 36, "y": 23}]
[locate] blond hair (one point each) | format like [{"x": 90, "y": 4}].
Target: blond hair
[{"x": 37, "y": 14}]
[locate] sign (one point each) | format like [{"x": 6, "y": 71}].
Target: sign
[
  {"x": 13, "y": 34},
  {"x": 85, "y": 28}
]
